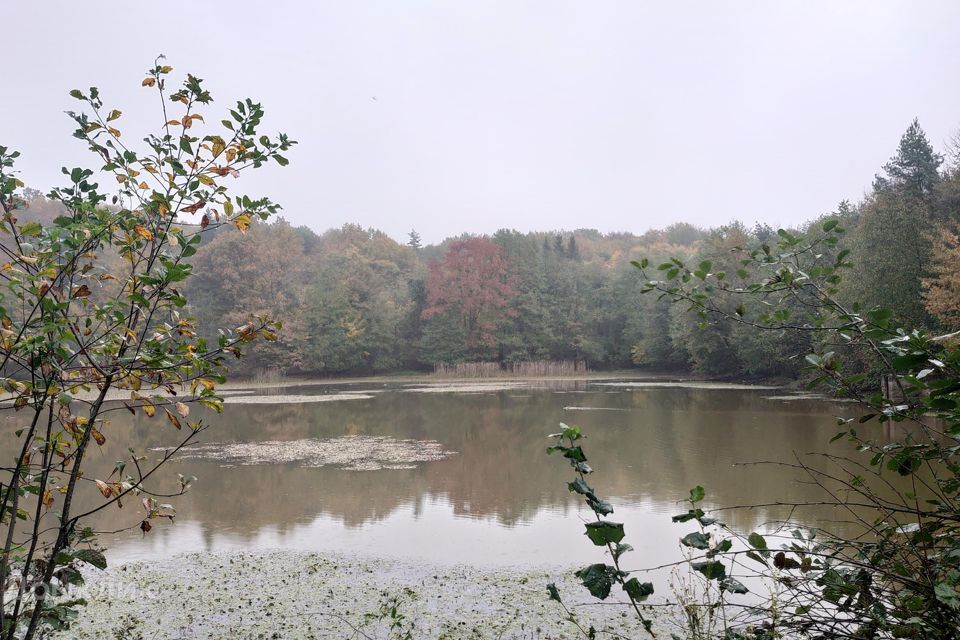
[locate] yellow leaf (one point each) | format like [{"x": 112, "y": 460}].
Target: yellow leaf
[
  {"x": 47, "y": 499},
  {"x": 143, "y": 232},
  {"x": 228, "y": 207},
  {"x": 166, "y": 69},
  {"x": 174, "y": 123},
  {"x": 99, "y": 437},
  {"x": 242, "y": 222},
  {"x": 207, "y": 384},
  {"x": 114, "y": 132},
  {"x": 149, "y": 409},
  {"x": 114, "y": 115},
  {"x": 218, "y": 145},
  {"x": 205, "y": 179}
]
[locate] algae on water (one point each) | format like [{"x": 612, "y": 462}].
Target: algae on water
[{"x": 352, "y": 452}]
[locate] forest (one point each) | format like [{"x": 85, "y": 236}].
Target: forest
[{"x": 355, "y": 301}]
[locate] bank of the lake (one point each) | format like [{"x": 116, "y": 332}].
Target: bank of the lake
[{"x": 286, "y": 594}]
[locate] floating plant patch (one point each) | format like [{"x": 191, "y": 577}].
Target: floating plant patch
[
  {"x": 353, "y": 453},
  {"x": 682, "y": 384},
  {"x": 296, "y": 399}
]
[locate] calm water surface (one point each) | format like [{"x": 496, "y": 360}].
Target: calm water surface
[{"x": 499, "y": 499}]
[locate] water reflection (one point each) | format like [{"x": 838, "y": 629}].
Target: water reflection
[{"x": 500, "y": 499}]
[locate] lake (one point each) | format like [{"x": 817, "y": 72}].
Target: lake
[{"x": 457, "y": 472}]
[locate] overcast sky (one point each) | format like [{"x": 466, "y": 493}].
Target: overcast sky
[{"x": 451, "y": 116}]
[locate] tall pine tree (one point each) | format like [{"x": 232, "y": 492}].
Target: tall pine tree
[{"x": 891, "y": 242}]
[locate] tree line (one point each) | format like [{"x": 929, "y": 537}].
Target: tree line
[{"x": 355, "y": 301}]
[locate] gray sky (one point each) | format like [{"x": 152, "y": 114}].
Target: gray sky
[{"x": 532, "y": 115}]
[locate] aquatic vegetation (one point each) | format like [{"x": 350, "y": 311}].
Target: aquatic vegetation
[
  {"x": 353, "y": 453},
  {"x": 300, "y": 595},
  {"x": 297, "y": 399}
]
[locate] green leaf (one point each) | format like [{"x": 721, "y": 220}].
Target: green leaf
[
  {"x": 579, "y": 486},
  {"x": 31, "y": 229},
  {"x": 947, "y": 595},
  {"x": 553, "y": 593},
  {"x": 697, "y": 494},
  {"x": 711, "y": 569},
  {"x": 598, "y": 579},
  {"x": 759, "y": 543},
  {"x": 638, "y": 591},
  {"x": 602, "y": 507},
  {"x": 604, "y": 532},
  {"x": 722, "y": 547},
  {"x": 620, "y": 549},
  {"x": 91, "y": 556},
  {"x": 696, "y": 540},
  {"x": 733, "y": 586}
]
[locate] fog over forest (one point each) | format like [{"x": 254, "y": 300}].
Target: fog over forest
[{"x": 449, "y": 119}]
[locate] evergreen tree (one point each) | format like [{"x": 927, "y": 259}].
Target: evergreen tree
[
  {"x": 891, "y": 241},
  {"x": 916, "y": 167},
  {"x": 414, "y": 240}
]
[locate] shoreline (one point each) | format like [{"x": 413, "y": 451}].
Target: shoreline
[{"x": 292, "y": 594}]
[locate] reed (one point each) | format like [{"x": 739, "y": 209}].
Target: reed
[{"x": 534, "y": 369}]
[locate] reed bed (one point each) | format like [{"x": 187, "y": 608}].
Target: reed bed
[
  {"x": 270, "y": 379},
  {"x": 534, "y": 369}
]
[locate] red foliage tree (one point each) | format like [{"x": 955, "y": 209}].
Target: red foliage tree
[{"x": 475, "y": 281}]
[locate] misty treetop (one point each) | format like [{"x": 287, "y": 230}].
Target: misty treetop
[{"x": 354, "y": 300}]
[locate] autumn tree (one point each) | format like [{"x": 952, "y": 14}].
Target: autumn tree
[
  {"x": 941, "y": 291},
  {"x": 359, "y": 301},
  {"x": 475, "y": 285},
  {"x": 260, "y": 272}
]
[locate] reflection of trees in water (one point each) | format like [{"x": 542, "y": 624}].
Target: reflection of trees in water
[{"x": 668, "y": 441}]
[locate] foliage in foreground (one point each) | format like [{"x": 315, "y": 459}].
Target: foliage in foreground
[
  {"x": 93, "y": 321},
  {"x": 895, "y": 573}
]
